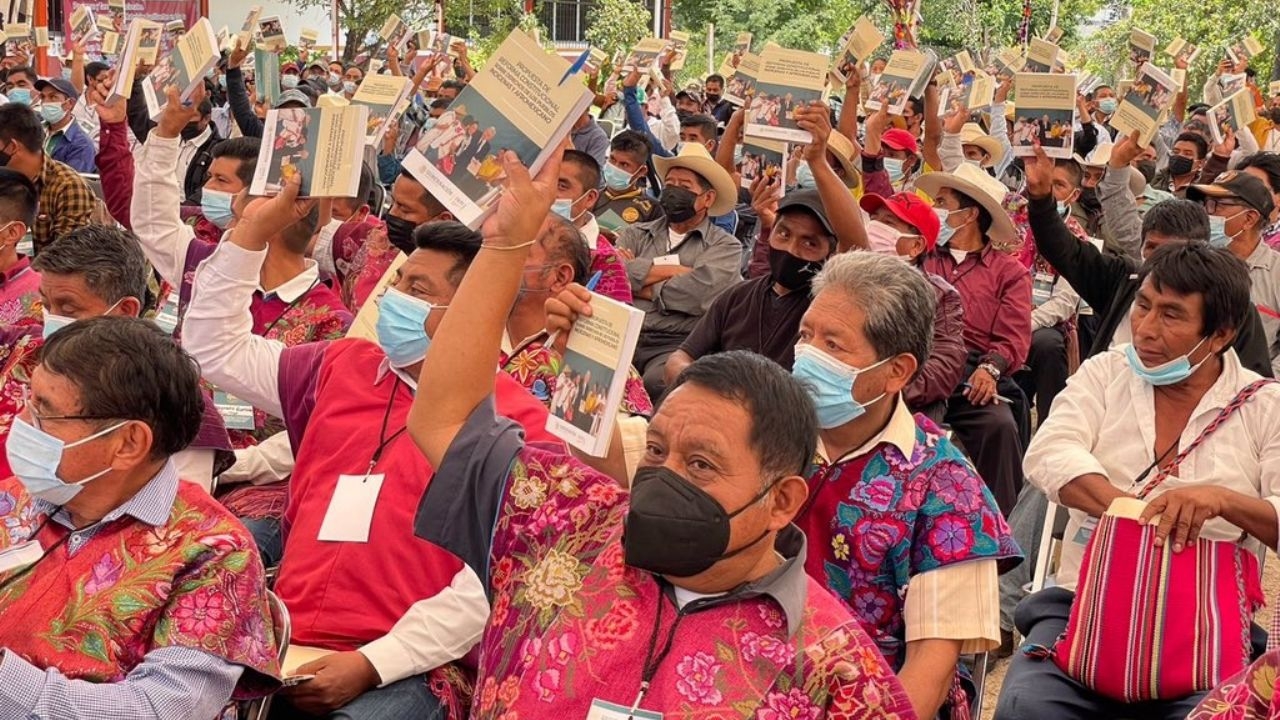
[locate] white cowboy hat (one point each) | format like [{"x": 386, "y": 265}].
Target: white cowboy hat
[
  {"x": 843, "y": 150},
  {"x": 1099, "y": 158},
  {"x": 980, "y": 187},
  {"x": 695, "y": 158},
  {"x": 971, "y": 134}
]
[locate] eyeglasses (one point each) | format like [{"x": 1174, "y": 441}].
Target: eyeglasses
[
  {"x": 39, "y": 420},
  {"x": 1212, "y": 205}
]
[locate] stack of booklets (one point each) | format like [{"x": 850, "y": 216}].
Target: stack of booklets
[
  {"x": 307, "y": 40},
  {"x": 1006, "y": 65},
  {"x": 193, "y": 56},
  {"x": 83, "y": 26},
  {"x": 742, "y": 44},
  {"x": 244, "y": 38},
  {"x": 904, "y": 77},
  {"x": 1045, "y": 114},
  {"x": 266, "y": 73},
  {"x": 128, "y": 66},
  {"x": 742, "y": 85},
  {"x": 1150, "y": 94},
  {"x": 789, "y": 80},
  {"x": 149, "y": 36},
  {"x": 956, "y": 70},
  {"x": 1244, "y": 49},
  {"x": 382, "y": 94},
  {"x": 1182, "y": 50},
  {"x": 325, "y": 146},
  {"x": 979, "y": 93},
  {"x": 679, "y": 43},
  {"x": 860, "y": 41},
  {"x": 1042, "y": 55},
  {"x": 271, "y": 31},
  {"x": 644, "y": 56},
  {"x": 395, "y": 33},
  {"x": 593, "y": 375},
  {"x": 1142, "y": 45},
  {"x": 523, "y": 101},
  {"x": 1232, "y": 115}
]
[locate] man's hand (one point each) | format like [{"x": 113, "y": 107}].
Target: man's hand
[
  {"x": 264, "y": 218},
  {"x": 339, "y": 679},
  {"x": 953, "y": 122},
  {"x": 563, "y": 310},
  {"x": 238, "y": 55},
  {"x": 982, "y": 387},
  {"x": 632, "y": 79},
  {"x": 1183, "y": 511},
  {"x": 625, "y": 254},
  {"x": 764, "y": 199},
  {"x": 525, "y": 201},
  {"x": 853, "y": 83},
  {"x": 1038, "y": 169},
  {"x": 1228, "y": 144},
  {"x": 816, "y": 119},
  {"x": 175, "y": 115},
  {"x": 1002, "y": 90},
  {"x": 390, "y": 138},
  {"x": 1082, "y": 110},
  {"x": 112, "y": 112},
  {"x": 874, "y": 129},
  {"x": 1125, "y": 151}
]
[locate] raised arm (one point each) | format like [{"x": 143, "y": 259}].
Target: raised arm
[
  {"x": 157, "y": 194},
  {"x": 841, "y": 208},
  {"x": 847, "y": 123},
  {"x": 1120, "y": 219},
  {"x": 932, "y": 126},
  {"x": 115, "y": 161}
]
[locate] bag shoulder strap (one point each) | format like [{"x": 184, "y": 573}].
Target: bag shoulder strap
[{"x": 1245, "y": 395}]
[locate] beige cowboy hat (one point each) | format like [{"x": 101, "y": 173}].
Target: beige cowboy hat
[
  {"x": 695, "y": 158},
  {"x": 1099, "y": 158},
  {"x": 980, "y": 187},
  {"x": 971, "y": 134},
  {"x": 843, "y": 149}
]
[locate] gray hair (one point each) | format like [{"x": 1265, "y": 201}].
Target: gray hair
[
  {"x": 108, "y": 258},
  {"x": 899, "y": 303}
]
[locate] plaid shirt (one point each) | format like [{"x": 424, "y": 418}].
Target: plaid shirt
[{"x": 66, "y": 203}]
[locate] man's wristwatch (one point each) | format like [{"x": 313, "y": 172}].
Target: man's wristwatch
[{"x": 990, "y": 369}]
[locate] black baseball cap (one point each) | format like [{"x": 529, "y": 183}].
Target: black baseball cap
[
  {"x": 1236, "y": 184},
  {"x": 808, "y": 200}
]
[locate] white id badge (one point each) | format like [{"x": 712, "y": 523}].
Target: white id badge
[
  {"x": 1041, "y": 289},
  {"x": 20, "y": 555},
  {"x": 667, "y": 260},
  {"x": 167, "y": 317},
  {"x": 350, "y": 510},
  {"x": 236, "y": 413},
  {"x": 601, "y": 710},
  {"x": 1085, "y": 531}
]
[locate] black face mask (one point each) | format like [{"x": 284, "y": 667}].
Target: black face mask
[
  {"x": 1179, "y": 165},
  {"x": 190, "y": 131},
  {"x": 400, "y": 232},
  {"x": 678, "y": 203},
  {"x": 713, "y": 100},
  {"x": 1274, "y": 114},
  {"x": 683, "y": 115},
  {"x": 1089, "y": 199},
  {"x": 791, "y": 272},
  {"x": 1148, "y": 169},
  {"x": 675, "y": 528}
]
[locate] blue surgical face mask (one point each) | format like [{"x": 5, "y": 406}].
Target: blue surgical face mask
[
  {"x": 430, "y": 123},
  {"x": 615, "y": 178},
  {"x": 222, "y": 81},
  {"x": 34, "y": 456},
  {"x": 53, "y": 323},
  {"x": 335, "y": 79},
  {"x": 1063, "y": 209},
  {"x": 1218, "y": 236},
  {"x": 894, "y": 167},
  {"x": 945, "y": 231},
  {"x": 52, "y": 114},
  {"x": 22, "y": 96},
  {"x": 289, "y": 82},
  {"x": 348, "y": 87},
  {"x": 564, "y": 208},
  {"x": 1170, "y": 373},
  {"x": 402, "y": 327},
  {"x": 804, "y": 176},
  {"x": 830, "y": 383},
  {"x": 1107, "y": 105},
  {"x": 215, "y": 205}
]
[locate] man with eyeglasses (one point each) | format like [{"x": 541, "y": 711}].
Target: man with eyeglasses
[{"x": 1239, "y": 207}]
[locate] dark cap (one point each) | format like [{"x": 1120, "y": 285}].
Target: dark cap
[
  {"x": 1236, "y": 184},
  {"x": 808, "y": 200},
  {"x": 693, "y": 95},
  {"x": 63, "y": 86}
]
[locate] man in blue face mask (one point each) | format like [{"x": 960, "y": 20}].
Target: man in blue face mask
[
  {"x": 862, "y": 341},
  {"x": 65, "y": 141},
  {"x": 345, "y": 405}
]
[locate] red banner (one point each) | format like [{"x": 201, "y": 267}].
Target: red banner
[{"x": 161, "y": 11}]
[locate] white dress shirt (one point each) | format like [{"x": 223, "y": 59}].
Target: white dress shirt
[
  {"x": 1104, "y": 423},
  {"x": 217, "y": 332}
]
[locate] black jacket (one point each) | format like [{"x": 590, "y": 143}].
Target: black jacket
[{"x": 1109, "y": 283}]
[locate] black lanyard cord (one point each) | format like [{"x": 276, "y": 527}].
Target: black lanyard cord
[
  {"x": 652, "y": 661},
  {"x": 289, "y": 307},
  {"x": 383, "y": 440}
]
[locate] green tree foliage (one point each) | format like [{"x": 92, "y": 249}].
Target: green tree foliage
[{"x": 617, "y": 24}]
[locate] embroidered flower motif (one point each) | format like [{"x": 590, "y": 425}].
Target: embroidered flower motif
[
  {"x": 771, "y": 616},
  {"x": 554, "y": 581},
  {"x": 840, "y": 546},
  {"x": 958, "y": 488},
  {"x": 697, "y": 679},
  {"x": 200, "y": 613},
  {"x": 617, "y": 626},
  {"x": 562, "y": 649},
  {"x": 870, "y": 605},
  {"x": 547, "y": 683},
  {"x": 794, "y": 705},
  {"x": 508, "y": 692},
  {"x": 951, "y": 537},
  {"x": 767, "y": 647},
  {"x": 104, "y": 574},
  {"x": 488, "y": 694},
  {"x": 877, "y": 538},
  {"x": 603, "y": 494},
  {"x": 7, "y": 503},
  {"x": 528, "y": 493},
  {"x": 1263, "y": 680},
  {"x": 879, "y": 493}
]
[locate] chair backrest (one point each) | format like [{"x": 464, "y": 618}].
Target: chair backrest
[
  {"x": 608, "y": 126},
  {"x": 281, "y": 623},
  {"x": 95, "y": 184}
]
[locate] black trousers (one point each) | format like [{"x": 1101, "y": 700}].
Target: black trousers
[
  {"x": 1046, "y": 373},
  {"x": 650, "y": 360}
]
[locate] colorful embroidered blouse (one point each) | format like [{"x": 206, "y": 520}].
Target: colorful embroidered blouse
[
  {"x": 20, "y": 294},
  {"x": 1248, "y": 695},
  {"x": 571, "y": 623},
  {"x": 99, "y": 602},
  {"x": 19, "y": 349},
  {"x": 536, "y": 367}
]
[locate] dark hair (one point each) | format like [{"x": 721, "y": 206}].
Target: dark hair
[
  {"x": 1098, "y": 88},
  {"x": 716, "y": 78},
  {"x": 1268, "y": 163},
  {"x": 1221, "y": 279},
  {"x": 564, "y": 243},
  {"x": 784, "y": 424},
  {"x": 588, "y": 170},
  {"x": 453, "y": 238},
  {"x": 439, "y": 103},
  {"x": 19, "y": 122},
  {"x": 1074, "y": 171},
  {"x": 109, "y": 259},
  {"x": 1202, "y": 147},
  {"x": 95, "y": 68},
  {"x": 128, "y": 369},
  {"x": 429, "y": 201},
  {"x": 1177, "y": 218},
  {"x": 297, "y": 236},
  {"x": 1250, "y": 72},
  {"x": 705, "y": 124},
  {"x": 310, "y": 91},
  {"x": 21, "y": 70},
  {"x": 17, "y": 198},
  {"x": 453, "y": 85},
  {"x": 630, "y": 141},
  {"x": 364, "y": 191},
  {"x": 984, "y": 218},
  {"x": 1197, "y": 109},
  {"x": 244, "y": 149},
  {"x": 917, "y": 105}
]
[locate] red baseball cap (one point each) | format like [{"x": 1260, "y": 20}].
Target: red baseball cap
[
  {"x": 899, "y": 139},
  {"x": 910, "y": 209}
]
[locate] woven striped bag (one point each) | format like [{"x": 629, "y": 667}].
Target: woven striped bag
[{"x": 1151, "y": 624}]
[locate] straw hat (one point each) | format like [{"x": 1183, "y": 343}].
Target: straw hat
[
  {"x": 846, "y": 152},
  {"x": 980, "y": 187},
  {"x": 971, "y": 134},
  {"x": 695, "y": 158}
]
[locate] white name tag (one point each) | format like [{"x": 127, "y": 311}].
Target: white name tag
[
  {"x": 167, "y": 317},
  {"x": 20, "y": 555},
  {"x": 1086, "y": 531},
  {"x": 601, "y": 710},
  {"x": 1041, "y": 289},
  {"x": 236, "y": 413},
  {"x": 667, "y": 260},
  {"x": 350, "y": 510}
]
